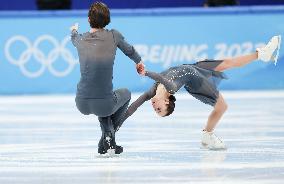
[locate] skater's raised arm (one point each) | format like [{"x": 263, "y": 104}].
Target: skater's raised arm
[
  {"x": 75, "y": 36},
  {"x": 169, "y": 85}
]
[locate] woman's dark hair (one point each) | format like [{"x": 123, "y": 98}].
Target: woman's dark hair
[
  {"x": 99, "y": 15},
  {"x": 171, "y": 106}
]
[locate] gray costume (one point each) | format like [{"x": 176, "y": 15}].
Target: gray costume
[
  {"x": 199, "y": 79},
  {"x": 95, "y": 93}
]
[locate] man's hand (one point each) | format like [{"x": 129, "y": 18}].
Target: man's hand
[
  {"x": 74, "y": 27},
  {"x": 140, "y": 67}
]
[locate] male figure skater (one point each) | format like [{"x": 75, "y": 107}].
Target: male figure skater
[{"x": 95, "y": 94}]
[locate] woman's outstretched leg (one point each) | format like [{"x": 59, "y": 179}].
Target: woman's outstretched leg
[
  {"x": 267, "y": 53},
  {"x": 236, "y": 62},
  {"x": 209, "y": 139}
]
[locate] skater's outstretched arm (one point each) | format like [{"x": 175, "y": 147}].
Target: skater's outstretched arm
[
  {"x": 169, "y": 85},
  {"x": 128, "y": 49},
  {"x": 136, "y": 104},
  {"x": 125, "y": 47}
]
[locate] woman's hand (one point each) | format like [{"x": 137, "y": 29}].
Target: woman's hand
[
  {"x": 140, "y": 67},
  {"x": 74, "y": 27},
  {"x": 143, "y": 72}
]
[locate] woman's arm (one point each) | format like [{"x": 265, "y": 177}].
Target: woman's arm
[
  {"x": 169, "y": 85},
  {"x": 136, "y": 104}
]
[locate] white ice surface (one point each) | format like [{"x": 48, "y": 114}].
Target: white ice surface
[{"x": 44, "y": 139}]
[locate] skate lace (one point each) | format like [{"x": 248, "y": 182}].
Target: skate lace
[
  {"x": 108, "y": 139},
  {"x": 216, "y": 139},
  {"x": 269, "y": 44}
]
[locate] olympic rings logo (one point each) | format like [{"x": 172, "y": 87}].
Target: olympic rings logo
[{"x": 45, "y": 61}]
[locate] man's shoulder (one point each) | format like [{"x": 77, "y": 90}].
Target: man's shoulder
[
  {"x": 85, "y": 34},
  {"x": 116, "y": 33}
]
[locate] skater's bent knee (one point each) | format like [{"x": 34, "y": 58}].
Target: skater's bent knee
[
  {"x": 221, "y": 107},
  {"x": 224, "y": 107},
  {"x": 126, "y": 92},
  {"x": 84, "y": 111}
]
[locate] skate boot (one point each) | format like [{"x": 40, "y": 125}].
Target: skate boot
[
  {"x": 101, "y": 149},
  {"x": 107, "y": 142},
  {"x": 210, "y": 141},
  {"x": 270, "y": 52}
]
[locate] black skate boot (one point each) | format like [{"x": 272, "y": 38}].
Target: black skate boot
[
  {"x": 101, "y": 150},
  {"x": 107, "y": 142}
]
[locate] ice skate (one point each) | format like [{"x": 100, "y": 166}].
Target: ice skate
[
  {"x": 270, "y": 52},
  {"x": 107, "y": 144},
  {"x": 210, "y": 141},
  {"x": 102, "y": 150}
]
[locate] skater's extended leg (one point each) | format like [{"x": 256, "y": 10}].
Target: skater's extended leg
[
  {"x": 267, "y": 53},
  {"x": 118, "y": 115},
  {"x": 123, "y": 97},
  {"x": 236, "y": 62}
]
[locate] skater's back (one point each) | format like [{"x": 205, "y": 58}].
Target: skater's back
[{"x": 96, "y": 52}]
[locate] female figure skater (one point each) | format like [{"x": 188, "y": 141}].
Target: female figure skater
[
  {"x": 95, "y": 95},
  {"x": 200, "y": 80}
]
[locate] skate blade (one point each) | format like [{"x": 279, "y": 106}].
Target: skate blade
[
  {"x": 109, "y": 154},
  {"x": 206, "y": 147},
  {"x": 275, "y": 58},
  {"x": 217, "y": 149},
  {"x": 111, "y": 151}
]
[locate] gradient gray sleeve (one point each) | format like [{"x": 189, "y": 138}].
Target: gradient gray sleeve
[
  {"x": 137, "y": 103},
  {"x": 125, "y": 47},
  {"x": 75, "y": 37},
  {"x": 170, "y": 86}
]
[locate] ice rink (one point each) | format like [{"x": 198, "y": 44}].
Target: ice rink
[{"x": 44, "y": 139}]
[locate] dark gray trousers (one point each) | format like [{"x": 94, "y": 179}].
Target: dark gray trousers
[{"x": 114, "y": 106}]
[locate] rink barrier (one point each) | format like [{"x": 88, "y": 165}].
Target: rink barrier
[
  {"x": 152, "y": 11},
  {"x": 37, "y": 57}
]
